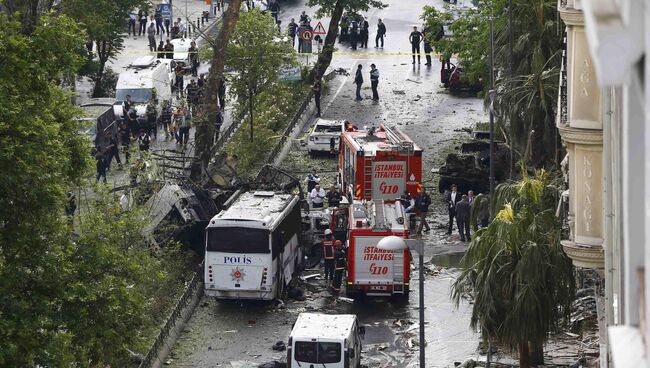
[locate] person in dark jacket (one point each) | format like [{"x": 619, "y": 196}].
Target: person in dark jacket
[
  {"x": 157, "y": 16},
  {"x": 422, "y": 203},
  {"x": 161, "y": 50},
  {"x": 328, "y": 255},
  {"x": 333, "y": 197},
  {"x": 112, "y": 151},
  {"x": 381, "y": 32},
  {"x": 125, "y": 140},
  {"x": 166, "y": 117},
  {"x": 415, "y": 38},
  {"x": 427, "y": 49},
  {"x": 358, "y": 80},
  {"x": 169, "y": 50},
  {"x": 317, "y": 88},
  {"x": 292, "y": 30},
  {"x": 462, "y": 217},
  {"x": 452, "y": 198},
  {"x": 354, "y": 34},
  {"x": 374, "y": 81},
  {"x": 363, "y": 33},
  {"x": 339, "y": 266},
  {"x": 100, "y": 164}
]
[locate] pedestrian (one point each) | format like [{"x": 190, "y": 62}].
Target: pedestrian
[
  {"x": 217, "y": 125},
  {"x": 462, "y": 217},
  {"x": 192, "y": 93},
  {"x": 167, "y": 22},
  {"x": 126, "y": 107},
  {"x": 175, "y": 31},
  {"x": 381, "y": 33},
  {"x": 180, "y": 72},
  {"x": 166, "y": 117},
  {"x": 422, "y": 203},
  {"x": 301, "y": 28},
  {"x": 470, "y": 197},
  {"x": 274, "y": 8},
  {"x": 483, "y": 210},
  {"x": 144, "y": 141},
  {"x": 131, "y": 27},
  {"x": 169, "y": 50},
  {"x": 184, "y": 127},
  {"x": 125, "y": 140},
  {"x": 415, "y": 38},
  {"x": 452, "y": 199},
  {"x": 363, "y": 33},
  {"x": 312, "y": 180},
  {"x": 292, "y": 29},
  {"x": 201, "y": 82},
  {"x": 339, "y": 266},
  {"x": 71, "y": 208},
  {"x": 152, "y": 119},
  {"x": 408, "y": 203},
  {"x": 317, "y": 88},
  {"x": 159, "y": 21},
  {"x": 151, "y": 36},
  {"x": 374, "y": 81},
  {"x": 333, "y": 197},
  {"x": 328, "y": 255},
  {"x": 427, "y": 49},
  {"x": 317, "y": 195},
  {"x": 222, "y": 93},
  {"x": 142, "y": 19},
  {"x": 161, "y": 50},
  {"x": 182, "y": 29},
  {"x": 358, "y": 80},
  {"x": 112, "y": 151},
  {"x": 345, "y": 28},
  {"x": 100, "y": 165},
  {"x": 304, "y": 18},
  {"x": 194, "y": 58},
  {"x": 133, "y": 123},
  {"x": 354, "y": 34}
]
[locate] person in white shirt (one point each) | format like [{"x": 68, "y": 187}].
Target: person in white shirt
[
  {"x": 181, "y": 27},
  {"x": 317, "y": 195}
]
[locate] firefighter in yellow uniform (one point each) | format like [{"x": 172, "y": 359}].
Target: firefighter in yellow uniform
[
  {"x": 339, "y": 266},
  {"x": 328, "y": 254}
]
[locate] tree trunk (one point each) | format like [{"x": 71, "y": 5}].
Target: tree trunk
[
  {"x": 325, "y": 57},
  {"x": 536, "y": 354},
  {"x": 203, "y": 137},
  {"x": 524, "y": 355},
  {"x": 103, "y": 53},
  {"x": 250, "y": 110}
]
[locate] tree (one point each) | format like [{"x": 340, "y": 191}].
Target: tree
[
  {"x": 256, "y": 54},
  {"x": 515, "y": 270},
  {"x": 334, "y": 9},
  {"x": 26, "y": 12},
  {"x": 210, "y": 108},
  {"x": 104, "y": 22}
]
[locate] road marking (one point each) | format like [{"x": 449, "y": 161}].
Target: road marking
[{"x": 340, "y": 87}]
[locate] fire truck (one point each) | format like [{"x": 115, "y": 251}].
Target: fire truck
[
  {"x": 370, "y": 270},
  {"x": 379, "y": 164}
]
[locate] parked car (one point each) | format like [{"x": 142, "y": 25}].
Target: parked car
[
  {"x": 325, "y": 135},
  {"x": 453, "y": 77}
]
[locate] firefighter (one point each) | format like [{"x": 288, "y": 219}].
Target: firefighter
[
  {"x": 339, "y": 266},
  {"x": 328, "y": 255}
]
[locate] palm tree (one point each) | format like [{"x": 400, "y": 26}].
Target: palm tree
[{"x": 516, "y": 271}]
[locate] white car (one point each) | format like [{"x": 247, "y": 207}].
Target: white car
[{"x": 325, "y": 136}]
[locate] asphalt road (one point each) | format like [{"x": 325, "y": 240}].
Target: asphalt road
[{"x": 236, "y": 334}]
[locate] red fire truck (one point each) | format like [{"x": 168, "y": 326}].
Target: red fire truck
[
  {"x": 379, "y": 164},
  {"x": 372, "y": 271}
]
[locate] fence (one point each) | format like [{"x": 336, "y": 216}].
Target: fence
[
  {"x": 287, "y": 132},
  {"x": 193, "y": 286}
]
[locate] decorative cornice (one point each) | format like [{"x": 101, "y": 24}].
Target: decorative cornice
[
  {"x": 588, "y": 257},
  {"x": 581, "y": 136},
  {"x": 570, "y": 15}
]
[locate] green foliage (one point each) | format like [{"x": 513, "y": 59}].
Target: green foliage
[
  {"x": 515, "y": 270},
  {"x": 326, "y": 7}
]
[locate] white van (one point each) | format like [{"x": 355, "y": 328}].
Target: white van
[
  {"x": 325, "y": 341},
  {"x": 145, "y": 79},
  {"x": 324, "y": 134},
  {"x": 182, "y": 50}
]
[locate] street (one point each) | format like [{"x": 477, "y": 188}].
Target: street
[{"x": 240, "y": 334}]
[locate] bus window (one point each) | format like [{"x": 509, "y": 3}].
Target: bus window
[{"x": 237, "y": 240}]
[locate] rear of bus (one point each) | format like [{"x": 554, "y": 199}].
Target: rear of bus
[{"x": 238, "y": 262}]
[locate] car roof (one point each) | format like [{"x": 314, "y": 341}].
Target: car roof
[
  {"x": 323, "y": 326},
  {"x": 329, "y": 122}
]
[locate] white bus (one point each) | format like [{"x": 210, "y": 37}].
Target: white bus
[{"x": 252, "y": 249}]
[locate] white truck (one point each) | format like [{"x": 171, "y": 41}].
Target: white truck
[
  {"x": 252, "y": 249},
  {"x": 325, "y": 341},
  {"x": 324, "y": 135},
  {"x": 145, "y": 79}
]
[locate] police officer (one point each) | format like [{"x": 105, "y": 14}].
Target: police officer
[
  {"x": 152, "y": 119},
  {"x": 339, "y": 266},
  {"x": 328, "y": 254},
  {"x": 166, "y": 118},
  {"x": 192, "y": 93}
]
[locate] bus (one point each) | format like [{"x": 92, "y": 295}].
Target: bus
[{"x": 252, "y": 248}]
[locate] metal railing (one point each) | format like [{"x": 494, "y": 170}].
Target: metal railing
[
  {"x": 192, "y": 287},
  {"x": 564, "y": 117},
  {"x": 287, "y": 132}
]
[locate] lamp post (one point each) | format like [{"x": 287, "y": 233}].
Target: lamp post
[{"x": 392, "y": 243}]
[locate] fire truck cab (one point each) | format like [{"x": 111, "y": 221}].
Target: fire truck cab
[
  {"x": 372, "y": 271},
  {"x": 379, "y": 164}
]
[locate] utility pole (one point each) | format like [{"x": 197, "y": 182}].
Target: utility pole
[
  {"x": 492, "y": 95},
  {"x": 510, "y": 75}
]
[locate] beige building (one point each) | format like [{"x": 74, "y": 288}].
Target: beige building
[{"x": 603, "y": 113}]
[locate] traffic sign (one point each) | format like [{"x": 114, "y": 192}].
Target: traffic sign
[
  {"x": 320, "y": 30},
  {"x": 166, "y": 10},
  {"x": 306, "y": 35}
]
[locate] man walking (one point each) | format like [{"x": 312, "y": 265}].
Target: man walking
[
  {"x": 194, "y": 58},
  {"x": 328, "y": 255},
  {"x": 364, "y": 33},
  {"x": 374, "y": 81},
  {"x": 358, "y": 80},
  {"x": 292, "y": 28},
  {"x": 452, "y": 199},
  {"x": 142, "y": 18},
  {"x": 132, "y": 18},
  {"x": 316, "y": 88},
  {"x": 462, "y": 217},
  {"x": 427, "y": 49},
  {"x": 159, "y": 21},
  {"x": 151, "y": 36},
  {"x": 381, "y": 32},
  {"x": 415, "y": 38},
  {"x": 422, "y": 203}
]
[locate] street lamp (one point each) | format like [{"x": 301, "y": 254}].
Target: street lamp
[{"x": 393, "y": 243}]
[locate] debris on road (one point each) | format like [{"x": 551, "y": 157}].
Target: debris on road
[
  {"x": 347, "y": 300},
  {"x": 279, "y": 346}
]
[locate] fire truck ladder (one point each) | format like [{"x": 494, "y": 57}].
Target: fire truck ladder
[
  {"x": 367, "y": 177},
  {"x": 398, "y": 138}
]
